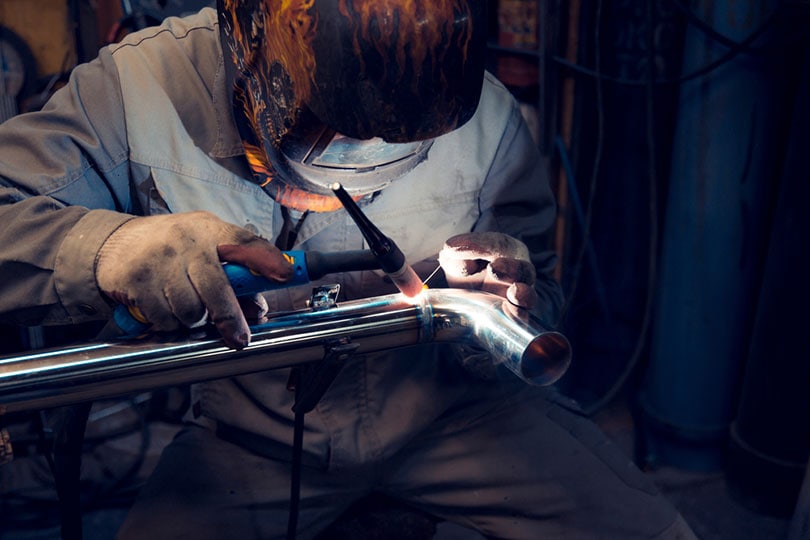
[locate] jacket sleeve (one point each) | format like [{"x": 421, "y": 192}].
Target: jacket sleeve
[
  {"x": 63, "y": 189},
  {"x": 517, "y": 200}
]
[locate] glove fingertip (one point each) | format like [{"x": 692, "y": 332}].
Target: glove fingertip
[
  {"x": 238, "y": 340},
  {"x": 235, "y": 332},
  {"x": 521, "y": 295}
]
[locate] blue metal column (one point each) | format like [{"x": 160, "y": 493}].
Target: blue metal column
[{"x": 724, "y": 170}]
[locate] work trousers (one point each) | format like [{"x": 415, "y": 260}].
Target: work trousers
[{"x": 530, "y": 466}]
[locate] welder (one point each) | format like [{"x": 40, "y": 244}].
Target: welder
[{"x": 215, "y": 138}]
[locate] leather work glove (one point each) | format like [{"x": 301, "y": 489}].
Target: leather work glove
[
  {"x": 169, "y": 267},
  {"x": 492, "y": 262},
  {"x": 254, "y": 308}
]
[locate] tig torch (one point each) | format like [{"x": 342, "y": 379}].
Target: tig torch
[
  {"x": 383, "y": 254},
  {"x": 307, "y": 266},
  {"x": 389, "y": 256}
]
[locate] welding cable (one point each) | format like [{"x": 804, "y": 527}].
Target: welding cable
[
  {"x": 597, "y": 161},
  {"x": 579, "y": 214},
  {"x": 733, "y": 51},
  {"x": 707, "y": 29},
  {"x": 652, "y": 259}
]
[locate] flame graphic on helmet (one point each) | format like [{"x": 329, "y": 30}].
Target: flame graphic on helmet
[
  {"x": 271, "y": 50},
  {"x": 400, "y": 23},
  {"x": 280, "y": 34}
]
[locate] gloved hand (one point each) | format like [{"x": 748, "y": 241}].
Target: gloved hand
[
  {"x": 254, "y": 308},
  {"x": 492, "y": 262},
  {"x": 169, "y": 267}
]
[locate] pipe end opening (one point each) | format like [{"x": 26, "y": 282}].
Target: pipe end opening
[{"x": 546, "y": 359}]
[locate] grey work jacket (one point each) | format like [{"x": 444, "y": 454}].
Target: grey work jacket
[{"x": 146, "y": 128}]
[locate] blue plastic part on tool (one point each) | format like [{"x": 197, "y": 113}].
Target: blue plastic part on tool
[
  {"x": 243, "y": 281},
  {"x": 129, "y": 325}
]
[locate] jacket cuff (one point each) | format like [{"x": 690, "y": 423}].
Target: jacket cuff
[{"x": 74, "y": 268}]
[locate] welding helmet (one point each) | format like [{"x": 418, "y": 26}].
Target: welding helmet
[{"x": 349, "y": 91}]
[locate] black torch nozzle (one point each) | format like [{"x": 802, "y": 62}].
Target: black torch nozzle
[{"x": 392, "y": 260}]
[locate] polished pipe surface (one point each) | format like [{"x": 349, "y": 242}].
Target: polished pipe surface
[{"x": 56, "y": 377}]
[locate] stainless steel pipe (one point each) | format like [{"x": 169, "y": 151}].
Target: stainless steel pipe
[{"x": 56, "y": 377}]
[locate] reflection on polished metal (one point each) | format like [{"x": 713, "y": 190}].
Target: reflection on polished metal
[{"x": 57, "y": 377}]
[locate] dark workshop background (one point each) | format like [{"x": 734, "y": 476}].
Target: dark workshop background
[{"x": 676, "y": 135}]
